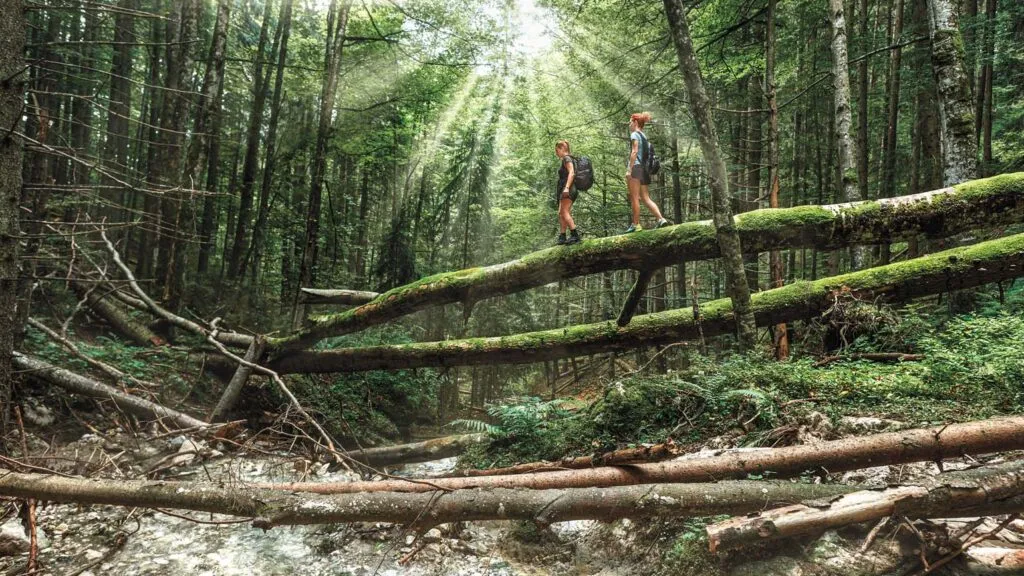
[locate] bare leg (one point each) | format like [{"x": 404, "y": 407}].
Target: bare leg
[
  {"x": 564, "y": 215},
  {"x": 646, "y": 197},
  {"x": 634, "y": 198}
]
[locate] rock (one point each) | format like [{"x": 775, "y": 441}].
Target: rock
[
  {"x": 91, "y": 554},
  {"x": 37, "y": 414},
  {"x": 13, "y": 539}
]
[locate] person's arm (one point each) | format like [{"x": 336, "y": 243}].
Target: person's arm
[
  {"x": 632, "y": 156},
  {"x": 569, "y": 180}
]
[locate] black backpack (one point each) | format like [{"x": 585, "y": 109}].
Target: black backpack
[
  {"x": 584, "y": 173},
  {"x": 650, "y": 158}
]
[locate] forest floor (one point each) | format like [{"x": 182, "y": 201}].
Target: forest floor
[{"x": 971, "y": 366}]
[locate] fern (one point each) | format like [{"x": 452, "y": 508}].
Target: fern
[{"x": 470, "y": 425}]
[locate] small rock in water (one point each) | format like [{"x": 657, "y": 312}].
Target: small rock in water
[
  {"x": 13, "y": 539},
  {"x": 91, "y": 554}
]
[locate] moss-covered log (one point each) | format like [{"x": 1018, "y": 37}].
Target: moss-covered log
[
  {"x": 270, "y": 508},
  {"x": 940, "y": 213},
  {"x": 328, "y": 296},
  {"x": 949, "y": 270}
]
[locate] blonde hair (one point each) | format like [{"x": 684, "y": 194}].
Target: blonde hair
[
  {"x": 641, "y": 118},
  {"x": 563, "y": 144}
]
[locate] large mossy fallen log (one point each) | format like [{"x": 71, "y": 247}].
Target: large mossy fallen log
[
  {"x": 979, "y": 203},
  {"x": 270, "y": 508},
  {"x": 920, "y": 445},
  {"x": 78, "y": 384},
  {"x": 954, "y": 269}
]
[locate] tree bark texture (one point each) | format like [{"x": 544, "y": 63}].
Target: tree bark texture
[
  {"x": 981, "y": 491},
  {"x": 77, "y": 384},
  {"x": 234, "y": 388},
  {"x": 344, "y": 297},
  {"x": 426, "y": 451},
  {"x": 926, "y": 444},
  {"x": 12, "y": 92},
  {"x": 956, "y": 111},
  {"x": 118, "y": 319},
  {"x": 954, "y": 269},
  {"x": 988, "y": 202},
  {"x": 653, "y": 453},
  {"x": 725, "y": 228},
  {"x": 270, "y": 508}
]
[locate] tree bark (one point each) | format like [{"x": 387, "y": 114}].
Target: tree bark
[
  {"x": 234, "y": 388},
  {"x": 955, "y": 269},
  {"x": 643, "y": 279},
  {"x": 843, "y": 116},
  {"x": 344, "y": 297},
  {"x": 725, "y": 227},
  {"x": 117, "y": 318},
  {"x": 259, "y": 230},
  {"x": 956, "y": 113},
  {"x": 653, "y": 453},
  {"x": 893, "y": 107},
  {"x": 337, "y": 20},
  {"x": 993, "y": 201},
  {"x": 77, "y": 384},
  {"x": 891, "y": 448},
  {"x": 252, "y": 148},
  {"x": 990, "y": 490},
  {"x": 12, "y": 91},
  {"x": 780, "y": 332},
  {"x": 985, "y": 109},
  {"x": 270, "y": 508},
  {"x": 425, "y": 451}
]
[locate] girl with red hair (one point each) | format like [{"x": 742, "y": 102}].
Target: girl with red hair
[{"x": 638, "y": 176}]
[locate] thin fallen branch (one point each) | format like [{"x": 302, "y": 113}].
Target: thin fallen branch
[
  {"x": 426, "y": 451},
  {"x": 616, "y": 458}
]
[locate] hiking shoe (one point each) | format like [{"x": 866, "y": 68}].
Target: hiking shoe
[
  {"x": 662, "y": 223},
  {"x": 561, "y": 240},
  {"x": 633, "y": 228},
  {"x": 574, "y": 238}
]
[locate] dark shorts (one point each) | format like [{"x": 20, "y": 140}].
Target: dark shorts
[
  {"x": 639, "y": 172},
  {"x": 557, "y": 199}
]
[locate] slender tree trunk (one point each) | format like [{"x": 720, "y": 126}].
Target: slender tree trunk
[
  {"x": 728, "y": 239},
  {"x": 252, "y": 149},
  {"x": 118, "y": 145},
  {"x": 207, "y": 126},
  {"x": 337, "y": 20},
  {"x": 150, "y": 229},
  {"x": 888, "y": 188},
  {"x": 956, "y": 115},
  {"x": 781, "y": 338},
  {"x": 850, "y": 192},
  {"x": 986, "y": 104},
  {"x": 259, "y": 231},
  {"x": 12, "y": 46},
  {"x": 863, "y": 82}
]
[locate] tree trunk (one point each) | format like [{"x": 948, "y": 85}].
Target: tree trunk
[
  {"x": 956, "y": 114},
  {"x": 344, "y": 297},
  {"x": 891, "y": 448},
  {"x": 207, "y": 123},
  {"x": 259, "y": 231},
  {"x": 270, "y": 508},
  {"x": 955, "y": 269},
  {"x": 337, "y": 20},
  {"x": 150, "y": 221},
  {"x": 234, "y": 388},
  {"x": 655, "y": 453},
  {"x": 77, "y": 384},
  {"x": 12, "y": 45},
  {"x": 117, "y": 146},
  {"x": 117, "y": 318},
  {"x": 843, "y": 117},
  {"x": 863, "y": 81},
  {"x": 985, "y": 109},
  {"x": 252, "y": 148},
  {"x": 993, "y": 201},
  {"x": 425, "y": 451},
  {"x": 725, "y": 229},
  {"x": 987, "y": 490},
  {"x": 643, "y": 279},
  {"x": 781, "y": 337}
]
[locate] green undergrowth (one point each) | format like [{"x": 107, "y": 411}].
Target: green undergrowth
[{"x": 973, "y": 367}]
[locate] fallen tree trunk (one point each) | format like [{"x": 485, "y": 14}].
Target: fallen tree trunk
[
  {"x": 234, "y": 388},
  {"x": 433, "y": 449},
  {"x": 950, "y": 270},
  {"x": 275, "y": 508},
  {"x": 872, "y": 356},
  {"x": 643, "y": 279},
  {"x": 927, "y": 444},
  {"x": 618, "y": 457},
  {"x": 344, "y": 297},
  {"x": 940, "y": 213},
  {"x": 116, "y": 318},
  {"x": 77, "y": 384},
  {"x": 983, "y": 491}
]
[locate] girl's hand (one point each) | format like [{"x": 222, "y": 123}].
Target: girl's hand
[{"x": 565, "y": 193}]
